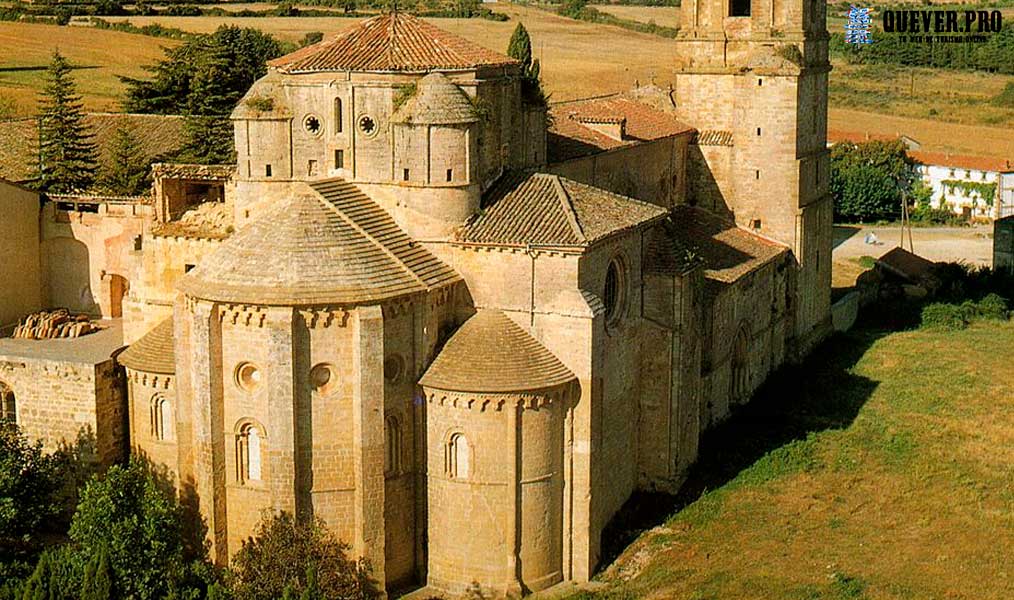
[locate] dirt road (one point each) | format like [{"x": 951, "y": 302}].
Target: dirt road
[{"x": 966, "y": 244}]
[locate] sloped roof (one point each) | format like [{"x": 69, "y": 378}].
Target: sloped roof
[
  {"x": 490, "y": 353},
  {"x": 437, "y": 101},
  {"x": 963, "y": 161},
  {"x": 154, "y": 352},
  {"x": 570, "y": 138},
  {"x": 549, "y": 210},
  {"x": 712, "y": 137},
  {"x": 729, "y": 252},
  {"x": 907, "y": 265},
  {"x": 157, "y": 135},
  {"x": 393, "y": 41},
  {"x": 326, "y": 244}
]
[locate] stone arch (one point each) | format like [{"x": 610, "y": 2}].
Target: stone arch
[
  {"x": 68, "y": 271},
  {"x": 392, "y": 445},
  {"x": 115, "y": 288},
  {"x": 8, "y": 403},
  {"x": 161, "y": 417},
  {"x": 457, "y": 455},
  {"x": 251, "y": 439}
]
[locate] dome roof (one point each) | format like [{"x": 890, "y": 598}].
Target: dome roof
[
  {"x": 491, "y": 353},
  {"x": 326, "y": 244},
  {"x": 436, "y": 101},
  {"x": 154, "y": 352}
]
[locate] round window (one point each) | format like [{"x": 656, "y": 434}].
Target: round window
[
  {"x": 323, "y": 378},
  {"x": 312, "y": 125},
  {"x": 394, "y": 368},
  {"x": 367, "y": 125},
  {"x": 248, "y": 376},
  {"x": 613, "y": 293}
]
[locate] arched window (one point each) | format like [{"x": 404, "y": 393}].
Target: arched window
[
  {"x": 740, "y": 376},
  {"x": 161, "y": 418},
  {"x": 8, "y": 404},
  {"x": 457, "y": 456},
  {"x": 248, "y": 453},
  {"x": 392, "y": 456},
  {"x": 337, "y": 115},
  {"x": 614, "y": 291}
]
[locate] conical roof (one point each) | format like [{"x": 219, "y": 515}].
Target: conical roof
[
  {"x": 493, "y": 354},
  {"x": 327, "y": 244},
  {"x": 390, "y": 42},
  {"x": 437, "y": 101},
  {"x": 154, "y": 352}
]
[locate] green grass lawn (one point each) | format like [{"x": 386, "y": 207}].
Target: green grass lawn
[{"x": 882, "y": 468}]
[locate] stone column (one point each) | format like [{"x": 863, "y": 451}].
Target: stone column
[
  {"x": 281, "y": 421},
  {"x": 512, "y": 407},
  {"x": 368, "y": 436}
]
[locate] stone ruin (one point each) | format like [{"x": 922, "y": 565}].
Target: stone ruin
[{"x": 59, "y": 323}]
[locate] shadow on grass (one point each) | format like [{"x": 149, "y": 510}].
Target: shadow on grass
[{"x": 822, "y": 393}]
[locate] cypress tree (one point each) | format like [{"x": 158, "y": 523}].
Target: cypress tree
[
  {"x": 37, "y": 586},
  {"x": 127, "y": 171},
  {"x": 520, "y": 49},
  {"x": 98, "y": 580},
  {"x": 66, "y": 150}
]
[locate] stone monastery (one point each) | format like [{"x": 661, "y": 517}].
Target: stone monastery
[{"x": 458, "y": 326}]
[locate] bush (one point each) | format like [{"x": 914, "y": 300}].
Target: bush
[
  {"x": 943, "y": 316},
  {"x": 993, "y": 307},
  {"x": 867, "y": 179}
]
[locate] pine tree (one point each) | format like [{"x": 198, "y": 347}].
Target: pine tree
[
  {"x": 37, "y": 586},
  {"x": 66, "y": 150},
  {"x": 127, "y": 172},
  {"x": 520, "y": 48},
  {"x": 98, "y": 579},
  {"x": 207, "y": 129}
]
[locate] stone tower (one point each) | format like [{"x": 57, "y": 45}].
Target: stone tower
[{"x": 751, "y": 76}]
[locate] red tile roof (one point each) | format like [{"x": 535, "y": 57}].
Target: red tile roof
[
  {"x": 154, "y": 352},
  {"x": 391, "y": 42},
  {"x": 569, "y": 137},
  {"x": 961, "y": 161},
  {"x": 548, "y": 210}
]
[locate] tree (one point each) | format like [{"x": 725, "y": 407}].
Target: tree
[
  {"x": 136, "y": 521},
  {"x": 66, "y": 150},
  {"x": 301, "y": 558},
  {"x": 128, "y": 171},
  {"x": 867, "y": 179},
  {"x": 311, "y": 38},
  {"x": 170, "y": 90},
  {"x": 57, "y": 576},
  {"x": 98, "y": 578},
  {"x": 207, "y": 131},
  {"x": 29, "y": 484},
  {"x": 520, "y": 49}
]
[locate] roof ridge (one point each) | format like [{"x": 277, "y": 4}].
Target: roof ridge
[
  {"x": 352, "y": 223},
  {"x": 568, "y": 207}
]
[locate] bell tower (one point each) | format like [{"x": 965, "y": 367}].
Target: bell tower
[{"x": 751, "y": 76}]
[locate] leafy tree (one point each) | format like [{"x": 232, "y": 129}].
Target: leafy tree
[
  {"x": 29, "y": 484},
  {"x": 520, "y": 48},
  {"x": 138, "y": 524},
  {"x": 98, "y": 578},
  {"x": 867, "y": 179},
  {"x": 128, "y": 170},
  {"x": 67, "y": 152},
  {"x": 295, "y": 558},
  {"x": 57, "y": 576}
]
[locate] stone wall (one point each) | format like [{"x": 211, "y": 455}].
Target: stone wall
[
  {"x": 71, "y": 403},
  {"x": 144, "y": 392},
  {"x": 20, "y": 271},
  {"x": 91, "y": 259}
]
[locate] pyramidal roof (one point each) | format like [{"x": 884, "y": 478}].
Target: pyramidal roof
[
  {"x": 491, "y": 353},
  {"x": 549, "y": 210},
  {"x": 326, "y": 244},
  {"x": 390, "y": 42},
  {"x": 154, "y": 352},
  {"x": 437, "y": 101}
]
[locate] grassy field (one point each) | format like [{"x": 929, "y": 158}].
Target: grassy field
[
  {"x": 884, "y": 470},
  {"x": 666, "y": 16},
  {"x": 874, "y": 99},
  {"x": 99, "y": 55}
]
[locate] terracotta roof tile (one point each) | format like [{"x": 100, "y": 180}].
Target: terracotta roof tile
[
  {"x": 712, "y": 137},
  {"x": 157, "y": 135},
  {"x": 391, "y": 42},
  {"x": 549, "y": 210},
  {"x": 154, "y": 352},
  {"x": 570, "y": 138},
  {"x": 327, "y": 243},
  {"x": 729, "y": 252},
  {"x": 490, "y": 353},
  {"x": 962, "y": 161}
]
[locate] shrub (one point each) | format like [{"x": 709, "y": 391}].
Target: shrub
[
  {"x": 993, "y": 307},
  {"x": 943, "y": 316}
]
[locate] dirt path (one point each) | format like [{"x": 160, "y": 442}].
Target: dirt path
[{"x": 966, "y": 244}]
